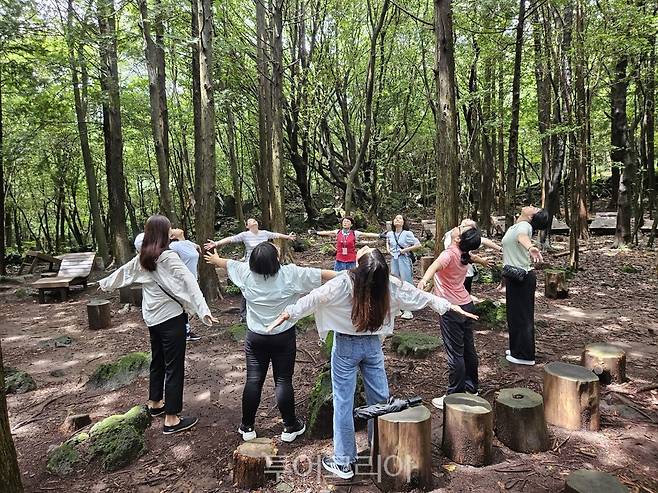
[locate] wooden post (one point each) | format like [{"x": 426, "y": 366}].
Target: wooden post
[
  {"x": 571, "y": 397},
  {"x": 98, "y": 313},
  {"x": 425, "y": 262},
  {"x": 404, "y": 444},
  {"x": 467, "y": 429},
  {"x": 250, "y": 460},
  {"x": 555, "y": 284},
  {"x": 605, "y": 360},
  {"x": 587, "y": 481},
  {"x": 520, "y": 421},
  {"x": 136, "y": 294},
  {"x": 124, "y": 295}
]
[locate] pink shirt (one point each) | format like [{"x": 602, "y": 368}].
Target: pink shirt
[{"x": 449, "y": 279}]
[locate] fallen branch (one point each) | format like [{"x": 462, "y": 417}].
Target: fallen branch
[
  {"x": 558, "y": 447},
  {"x": 632, "y": 405},
  {"x": 648, "y": 388},
  {"x": 307, "y": 352}
]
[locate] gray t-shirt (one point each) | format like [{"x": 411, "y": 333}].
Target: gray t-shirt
[
  {"x": 251, "y": 240},
  {"x": 267, "y": 298},
  {"x": 188, "y": 253},
  {"x": 514, "y": 253}
]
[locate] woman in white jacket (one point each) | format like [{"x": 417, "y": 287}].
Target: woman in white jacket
[
  {"x": 169, "y": 292},
  {"x": 360, "y": 308}
]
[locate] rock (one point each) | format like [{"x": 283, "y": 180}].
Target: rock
[
  {"x": 301, "y": 245},
  {"x": 58, "y": 373},
  {"x": 111, "y": 376},
  {"x": 18, "y": 381},
  {"x": 61, "y": 341},
  {"x": 75, "y": 422},
  {"x": 305, "y": 323},
  {"x": 63, "y": 459},
  {"x": 629, "y": 269},
  {"x": 236, "y": 332},
  {"x": 414, "y": 344},
  {"x": 491, "y": 313}
]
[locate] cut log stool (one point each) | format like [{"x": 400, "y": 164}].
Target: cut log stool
[
  {"x": 555, "y": 284},
  {"x": 571, "y": 396},
  {"x": 520, "y": 421},
  {"x": 467, "y": 429},
  {"x": 136, "y": 295},
  {"x": 425, "y": 263},
  {"x": 404, "y": 446},
  {"x": 587, "y": 481},
  {"x": 606, "y": 361},
  {"x": 98, "y": 313},
  {"x": 250, "y": 461}
]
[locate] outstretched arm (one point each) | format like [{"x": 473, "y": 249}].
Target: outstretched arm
[
  {"x": 534, "y": 252},
  {"x": 411, "y": 298},
  {"x": 210, "y": 244},
  {"x": 374, "y": 236},
  {"x": 436, "y": 266},
  {"x": 216, "y": 260},
  {"x": 328, "y": 275},
  {"x": 123, "y": 276},
  {"x": 490, "y": 244},
  {"x": 484, "y": 262},
  {"x": 333, "y": 232}
]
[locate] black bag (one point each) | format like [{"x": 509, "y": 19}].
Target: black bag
[{"x": 514, "y": 273}]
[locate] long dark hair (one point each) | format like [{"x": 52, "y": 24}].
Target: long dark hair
[
  {"x": 371, "y": 299},
  {"x": 406, "y": 224},
  {"x": 156, "y": 241},
  {"x": 469, "y": 240},
  {"x": 264, "y": 260},
  {"x": 539, "y": 220}
]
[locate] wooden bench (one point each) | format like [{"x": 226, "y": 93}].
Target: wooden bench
[
  {"x": 33, "y": 257},
  {"x": 74, "y": 269}
]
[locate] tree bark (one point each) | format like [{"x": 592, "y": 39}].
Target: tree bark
[
  {"x": 9, "y": 472},
  {"x": 488, "y": 143},
  {"x": 649, "y": 128},
  {"x": 3, "y": 268},
  {"x": 233, "y": 163},
  {"x": 155, "y": 65},
  {"x": 109, "y": 79},
  {"x": 513, "y": 149},
  {"x": 447, "y": 157},
  {"x": 204, "y": 135},
  {"x": 264, "y": 123}
]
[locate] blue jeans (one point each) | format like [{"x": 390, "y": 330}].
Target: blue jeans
[
  {"x": 403, "y": 268},
  {"x": 340, "y": 265},
  {"x": 349, "y": 354}
]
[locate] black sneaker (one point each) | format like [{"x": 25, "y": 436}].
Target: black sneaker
[
  {"x": 185, "y": 423},
  {"x": 247, "y": 432},
  {"x": 291, "y": 432},
  {"x": 343, "y": 472},
  {"x": 156, "y": 411},
  {"x": 191, "y": 336}
]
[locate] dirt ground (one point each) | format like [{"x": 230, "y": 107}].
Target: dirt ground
[{"x": 606, "y": 304}]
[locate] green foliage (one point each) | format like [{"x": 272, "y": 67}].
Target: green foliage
[
  {"x": 321, "y": 397},
  {"x": 629, "y": 269},
  {"x": 414, "y": 344},
  {"x": 236, "y": 332},
  {"x": 491, "y": 313},
  {"x": 327, "y": 346},
  {"x": 232, "y": 290},
  {"x": 18, "y": 381},
  {"x": 125, "y": 370},
  {"x": 490, "y": 276},
  {"x": 328, "y": 249}
]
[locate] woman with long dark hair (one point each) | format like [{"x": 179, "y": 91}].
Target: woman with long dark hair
[
  {"x": 268, "y": 288},
  {"x": 449, "y": 271},
  {"x": 169, "y": 293},
  {"x": 346, "y": 239},
  {"x": 519, "y": 257},
  {"x": 400, "y": 244},
  {"x": 359, "y": 308}
]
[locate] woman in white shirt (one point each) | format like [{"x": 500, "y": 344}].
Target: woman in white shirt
[
  {"x": 169, "y": 292},
  {"x": 268, "y": 288},
  {"x": 360, "y": 308}
]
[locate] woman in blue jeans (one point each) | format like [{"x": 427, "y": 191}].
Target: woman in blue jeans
[
  {"x": 400, "y": 242},
  {"x": 359, "y": 307}
]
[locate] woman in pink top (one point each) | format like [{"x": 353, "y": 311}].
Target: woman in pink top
[{"x": 457, "y": 331}]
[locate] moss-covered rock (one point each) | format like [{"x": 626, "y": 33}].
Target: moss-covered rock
[
  {"x": 111, "y": 376},
  {"x": 236, "y": 332},
  {"x": 137, "y": 417},
  {"x": 490, "y": 276},
  {"x": 327, "y": 346},
  {"x": 61, "y": 341},
  {"x": 301, "y": 245},
  {"x": 328, "y": 249},
  {"x": 491, "y": 313},
  {"x": 305, "y": 323},
  {"x": 22, "y": 293},
  {"x": 629, "y": 269},
  {"x": 63, "y": 459},
  {"x": 18, "y": 381},
  {"x": 414, "y": 344}
]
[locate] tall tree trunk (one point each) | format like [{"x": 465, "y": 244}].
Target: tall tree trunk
[
  {"x": 3, "y": 188},
  {"x": 233, "y": 163},
  {"x": 9, "y": 472},
  {"x": 620, "y": 154},
  {"x": 109, "y": 79},
  {"x": 513, "y": 149},
  {"x": 155, "y": 65},
  {"x": 204, "y": 136},
  {"x": 649, "y": 127},
  {"x": 488, "y": 143},
  {"x": 500, "y": 136},
  {"x": 83, "y": 134},
  {"x": 447, "y": 163},
  {"x": 264, "y": 103}
]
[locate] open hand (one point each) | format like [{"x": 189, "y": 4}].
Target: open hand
[
  {"x": 458, "y": 309},
  {"x": 421, "y": 284},
  {"x": 535, "y": 254},
  {"x": 210, "y": 244},
  {"x": 312, "y": 232},
  {"x": 211, "y": 258},
  {"x": 209, "y": 320},
  {"x": 279, "y": 320},
  {"x": 292, "y": 236}
]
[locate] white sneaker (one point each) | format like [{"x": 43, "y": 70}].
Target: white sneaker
[
  {"x": 247, "y": 432},
  {"x": 407, "y": 315},
  {"x": 437, "y": 402},
  {"x": 398, "y": 313},
  {"x": 507, "y": 352},
  {"x": 516, "y": 361}
]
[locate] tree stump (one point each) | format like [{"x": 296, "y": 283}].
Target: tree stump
[
  {"x": 520, "y": 421},
  {"x": 425, "y": 262},
  {"x": 605, "y": 360},
  {"x": 136, "y": 295},
  {"x": 98, "y": 313},
  {"x": 467, "y": 429},
  {"x": 250, "y": 460},
  {"x": 587, "y": 481},
  {"x": 571, "y": 397},
  {"x": 404, "y": 445},
  {"x": 125, "y": 295},
  {"x": 555, "y": 284}
]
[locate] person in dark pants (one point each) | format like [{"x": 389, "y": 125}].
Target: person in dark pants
[
  {"x": 449, "y": 271},
  {"x": 519, "y": 255},
  {"x": 268, "y": 288},
  {"x": 170, "y": 292}
]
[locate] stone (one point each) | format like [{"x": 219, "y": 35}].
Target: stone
[
  {"x": 414, "y": 344},
  {"x": 491, "y": 313},
  {"x": 125, "y": 370},
  {"x": 236, "y": 332},
  {"x": 61, "y": 341},
  {"x": 18, "y": 381},
  {"x": 63, "y": 459},
  {"x": 306, "y": 323},
  {"x": 75, "y": 422}
]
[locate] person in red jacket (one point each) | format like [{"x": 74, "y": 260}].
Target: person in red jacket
[{"x": 346, "y": 239}]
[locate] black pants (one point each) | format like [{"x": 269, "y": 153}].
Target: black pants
[
  {"x": 243, "y": 308},
  {"x": 468, "y": 283},
  {"x": 520, "y": 298},
  {"x": 168, "y": 363},
  {"x": 457, "y": 332},
  {"x": 259, "y": 349}
]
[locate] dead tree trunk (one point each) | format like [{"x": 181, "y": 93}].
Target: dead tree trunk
[
  {"x": 98, "y": 314},
  {"x": 9, "y": 472},
  {"x": 250, "y": 461}
]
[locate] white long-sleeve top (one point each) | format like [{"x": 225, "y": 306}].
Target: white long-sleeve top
[
  {"x": 173, "y": 276},
  {"x": 332, "y": 305}
]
